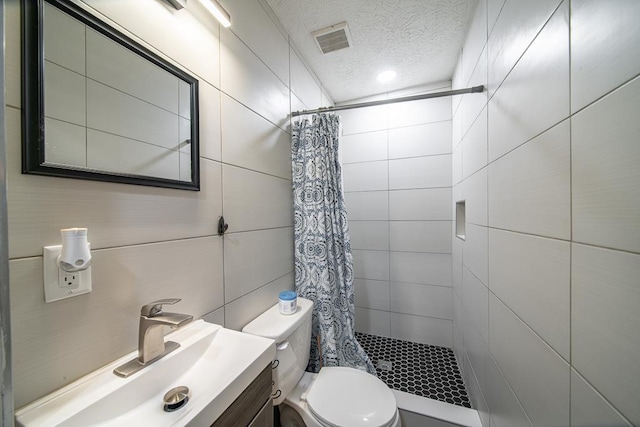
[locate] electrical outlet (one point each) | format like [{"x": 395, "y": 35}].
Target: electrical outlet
[
  {"x": 68, "y": 280},
  {"x": 60, "y": 284}
]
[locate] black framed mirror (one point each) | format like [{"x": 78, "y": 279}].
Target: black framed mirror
[{"x": 98, "y": 105}]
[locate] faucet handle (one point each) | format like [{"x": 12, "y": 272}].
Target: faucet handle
[{"x": 154, "y": 308}]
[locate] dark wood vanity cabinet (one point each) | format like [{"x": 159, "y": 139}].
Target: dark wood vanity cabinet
[{"x": 253, "y": 408}]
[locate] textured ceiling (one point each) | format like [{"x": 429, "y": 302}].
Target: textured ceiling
[{"x": 419, "y": 39}]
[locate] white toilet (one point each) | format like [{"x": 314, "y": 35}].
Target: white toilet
[{"x": 336, "y": 396}]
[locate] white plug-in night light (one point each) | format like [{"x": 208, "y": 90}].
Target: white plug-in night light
[{"x": 74, "y": 254}]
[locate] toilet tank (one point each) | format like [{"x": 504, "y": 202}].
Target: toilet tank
[{"x": 292, "y": 334}]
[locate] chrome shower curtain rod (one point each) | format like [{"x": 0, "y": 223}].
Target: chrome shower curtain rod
[{"x": 475, "y": 89}]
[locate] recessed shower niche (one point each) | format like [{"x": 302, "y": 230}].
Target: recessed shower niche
[{"x": 460, "y": 220}]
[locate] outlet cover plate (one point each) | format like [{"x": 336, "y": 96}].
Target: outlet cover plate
[{"x": 53, "y": 291}]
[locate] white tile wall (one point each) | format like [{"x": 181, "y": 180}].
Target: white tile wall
[
  {"x": 371, "y": 264},
  {"x": 573, "y": 181},
  {"x": 477, "y": 351},
  {"x": 475, "y": 251},
  {"x": 303, "y": 84},
  {"x": 515, "y": 28},
  {"x": 374, "y": 322},
  {"x": 210, "y": 135},
  {"x": 370, "y": 176},
  {"x": 475, "y": 297},
  {"x": 372, "y": 294},
  {"x": 254, "y": 201},
  {"x": 600, "y": 62},
  {"x": 419, "y": 112},
  {"x": 364, "y": 119},
  {"x": 605, "y": 321},
  {"x": 420, "y": 236},
  {"x": 535, "y": 95},
  {"x": 367, "y": 206},
  {"x": 364, "y": 147},
  {"x": 240, "y": 312},
  {"x": 245, "y": 78},
  {"x": 538, "y": 376},
  {"x": 473, "y": 104},
  {"x": 474, "y": 146},
  {"x": 271, "y": 252},
  {"x": 252, "y": 24},
  {"x": 589, "y": 409},
  {"x": 420, "y": 140},
  {"x": 529, "y": 189},
  {"x": 433, "y": 204},
  {"x": 424, "y": 268},
  {"x": 475, "y": 40},
  {"x": 475, "y": 196},
  {"x": 506, "y": 410},
  {"x": 605, "y": 172},
  {"x": 426, "y": 330},
  {"x": 422, "y": 300},
  {"x": 371, "y": 235},
  {"x": 252, "y": 142},
  {"x": 531, "y": 275},
  {"x": 420, "y": 172}
]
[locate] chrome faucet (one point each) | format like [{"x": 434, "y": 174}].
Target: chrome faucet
[{"x": 151, "y": 344}]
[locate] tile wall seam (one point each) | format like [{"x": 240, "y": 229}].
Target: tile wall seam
[
  {"x": 413, "y": 283},
  {"x": 397, "y": 127},
  {"x": 570, "y": 361},
  {"x": 600, "y": 395},
  {"x": 511, "y": 390},
  {"x": 250, "y": 170},
  {"x": 388, "y": 214},
  {"x": 396, "y": 158},
  {"x": 527, "y": 47},
  {"x": 544, "y": 341},
  {"x": 256, "y": 112},
  {"x": 606, "y": 94},
  {"x": 475, "y": 119},
  {"x": 221, "y": 137},
  {"x": 255, "y": 230},
  {"x": 398, "y": 189},
  {"x": 254, "y": 290},
  {"x": 561, "y": 121}
]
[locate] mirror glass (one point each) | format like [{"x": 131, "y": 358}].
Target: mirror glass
[{"x": 100, "y": 106}]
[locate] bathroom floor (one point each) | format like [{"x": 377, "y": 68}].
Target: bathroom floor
[{"x": 420, "y": 369}]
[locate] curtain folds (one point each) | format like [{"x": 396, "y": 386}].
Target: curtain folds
[{"x": 323, "y": 259}]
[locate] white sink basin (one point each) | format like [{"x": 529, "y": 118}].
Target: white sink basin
[{"x": 217, "y": 364}]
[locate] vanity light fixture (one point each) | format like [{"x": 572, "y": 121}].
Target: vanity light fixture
[
  {"x": 218, "y": 12},
  {"x": 212, "y": 6}
]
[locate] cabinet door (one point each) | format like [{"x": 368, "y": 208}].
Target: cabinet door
[{"x": 249, "y": 404}]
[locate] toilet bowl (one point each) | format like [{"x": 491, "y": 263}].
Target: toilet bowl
[
  {"x": 339, "y": 396},
  {"x": 334, "y": 397}
]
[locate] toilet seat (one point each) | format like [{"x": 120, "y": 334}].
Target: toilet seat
[{"x": 341, "y": 396}]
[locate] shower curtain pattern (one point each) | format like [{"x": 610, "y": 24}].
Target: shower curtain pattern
[{"x": 323, "y": 259}]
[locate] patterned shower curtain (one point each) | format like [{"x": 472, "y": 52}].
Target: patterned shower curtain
[{"x": 323, "y": 259}]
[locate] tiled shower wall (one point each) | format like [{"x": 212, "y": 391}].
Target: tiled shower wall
[
  {"x": 546, "y": 284},
  {"x": 150, "y": 243},
  {"x": 397, "y": 179}
]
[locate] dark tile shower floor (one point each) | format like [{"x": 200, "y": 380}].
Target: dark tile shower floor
[{"x": 420, "y": 369}]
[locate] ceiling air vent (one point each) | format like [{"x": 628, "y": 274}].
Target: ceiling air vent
[{"x": 333, "y": 38}]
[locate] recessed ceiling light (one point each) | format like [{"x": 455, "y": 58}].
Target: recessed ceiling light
[{"x": 386, "y": 76}]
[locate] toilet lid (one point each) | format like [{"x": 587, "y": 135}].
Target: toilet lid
[{"x": 343, "y": 396}]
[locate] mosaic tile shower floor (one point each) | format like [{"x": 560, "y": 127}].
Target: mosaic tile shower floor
[{"x": 420, "y": 369}]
